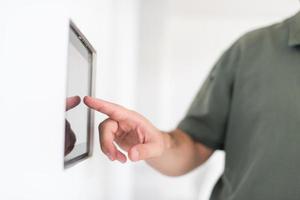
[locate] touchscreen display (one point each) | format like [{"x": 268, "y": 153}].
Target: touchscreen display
[{"x": 77, "y": 115}]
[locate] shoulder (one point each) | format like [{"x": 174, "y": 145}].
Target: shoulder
[
  {"x": 263, "y": 38},
  {"x": 252, "y": 45},
  {"x": 256, "y": 43}
]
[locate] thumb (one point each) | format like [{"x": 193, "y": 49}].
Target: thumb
[{"x": 144, "y": 151}]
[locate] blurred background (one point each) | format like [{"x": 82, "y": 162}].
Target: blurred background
[{"x": 152, "y": 56}]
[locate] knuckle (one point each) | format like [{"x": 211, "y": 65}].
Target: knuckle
[{"x": 103, "y": 125}]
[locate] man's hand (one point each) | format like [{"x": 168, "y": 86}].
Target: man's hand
[
  {"x": 131, "y": 131},
  {"x": 173, "y": 154}
]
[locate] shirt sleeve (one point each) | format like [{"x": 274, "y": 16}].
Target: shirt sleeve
[{"x": 207, "y": 117}]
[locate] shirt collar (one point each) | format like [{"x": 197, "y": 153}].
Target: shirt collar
[{"x": 294, "y": 30}]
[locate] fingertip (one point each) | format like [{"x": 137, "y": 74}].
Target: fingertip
[
  {"x": 86, "y": 99},
  {"x": 72, "y": 102},
  {"x": 77, "y": 99},
  {"x": 89, "y": 101}
]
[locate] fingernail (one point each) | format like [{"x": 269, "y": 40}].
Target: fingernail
[
  {"x": 135, "y": 154},
  {"x": 85, "y": 99}
]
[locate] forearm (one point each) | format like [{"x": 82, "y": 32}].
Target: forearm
[{"x": 181, "y": 154}]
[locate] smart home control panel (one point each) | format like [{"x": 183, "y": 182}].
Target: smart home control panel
[{"x": 78, "y": 117}]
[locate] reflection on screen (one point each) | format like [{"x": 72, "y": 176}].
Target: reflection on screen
[{"x": 78, "y": 86}]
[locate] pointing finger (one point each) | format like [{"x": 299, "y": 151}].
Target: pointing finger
[
  {"x": 72, "y": 102},
  {"x": 114, "y": 111}
]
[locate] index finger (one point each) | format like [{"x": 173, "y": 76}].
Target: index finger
[
  {"x": 72, "y": 102},
  {"x": 114, "y": 111}
]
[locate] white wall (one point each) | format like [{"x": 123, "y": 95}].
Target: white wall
[
  {"x": 152, "y": 56},
  {"x": 33, "y": 56}
]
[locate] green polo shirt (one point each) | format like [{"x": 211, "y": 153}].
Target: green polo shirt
[{"x": 249, "y": 106}]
